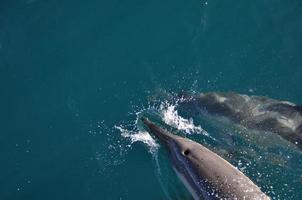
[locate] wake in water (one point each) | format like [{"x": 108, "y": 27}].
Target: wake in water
[
  {"x": 167, "y": 113},
  {"x": 171, "y": 117},
  {"x": 138, "y": 136}
]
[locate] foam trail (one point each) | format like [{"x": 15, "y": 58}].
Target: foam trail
[
  {"x": 139, "y": 136},
  {"x": 171, "y": 117}
]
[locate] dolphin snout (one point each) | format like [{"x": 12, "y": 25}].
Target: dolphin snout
[
  {"x": 145, "y": 120},
  {"x": 158, "y": 132}
]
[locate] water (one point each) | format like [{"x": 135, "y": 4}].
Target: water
[{"x": 73, "y": 73}]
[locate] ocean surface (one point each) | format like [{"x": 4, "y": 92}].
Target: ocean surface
[{"x": 75, "y": 76}]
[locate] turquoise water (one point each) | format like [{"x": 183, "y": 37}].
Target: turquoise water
[{"x": 70, "y": 71}]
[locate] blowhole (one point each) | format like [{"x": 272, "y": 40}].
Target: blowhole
[{"x": 186, "y": 152}]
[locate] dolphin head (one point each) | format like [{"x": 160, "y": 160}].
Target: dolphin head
[
  {"x": 173, "y": 143},
  {"x": 184, "y": 155}
]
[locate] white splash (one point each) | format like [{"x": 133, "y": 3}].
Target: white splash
[
  {"x": 171, "y": 117},
  {"x": 168, "y": 113},
  {"x": 139, "y": 136}
]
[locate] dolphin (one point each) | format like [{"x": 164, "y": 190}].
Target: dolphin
[
  {"x": 253, "y": 112},
  {"x": 204, "y": 173}
]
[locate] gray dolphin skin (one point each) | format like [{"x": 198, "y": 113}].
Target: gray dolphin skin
[
  {"x": 253, "y": 112},
  {"x": 204, "y": 173}
]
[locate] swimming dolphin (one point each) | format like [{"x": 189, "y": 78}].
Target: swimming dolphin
[
  {"x": 204, "y": 173},
  {"x": 253, "y": 112}
]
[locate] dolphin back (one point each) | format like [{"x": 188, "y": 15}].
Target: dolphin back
[{"x": 219, "y": 178}]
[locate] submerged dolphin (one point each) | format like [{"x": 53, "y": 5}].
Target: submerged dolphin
[
  {"x": 253, "y": 112},
  {"x": 204, "y": 173}
]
